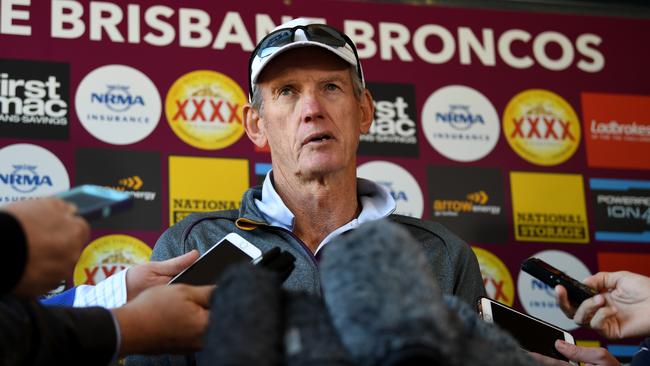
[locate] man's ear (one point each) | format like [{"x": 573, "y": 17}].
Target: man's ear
[
  {"x": 254, "y": 126},
  {"x": 367, "y": 111}
]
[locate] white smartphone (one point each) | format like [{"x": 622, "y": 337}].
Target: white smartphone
[
  {"x": 206, "y": 270},
  {"x": 96, "y": 202},
  {"x": 533, "y": 334}
]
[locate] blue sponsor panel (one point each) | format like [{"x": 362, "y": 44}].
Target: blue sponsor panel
[{"x": 621, "y": 209}]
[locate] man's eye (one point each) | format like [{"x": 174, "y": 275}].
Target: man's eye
[
  {"x": 285, "y": 91},
  {"x": 331, "y": 87}
]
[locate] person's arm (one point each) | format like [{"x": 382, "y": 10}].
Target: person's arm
[
  {"x": 596, "y": 356},
  {"x": 621, "y": 310},
  {"x": 36, "y": 335},
  {"x": 51, "y": 241}
]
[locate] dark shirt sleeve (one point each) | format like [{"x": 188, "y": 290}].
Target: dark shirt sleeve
[
  {"x": 642, "y": 357},
  {"x": 14, "y": 252},
  {"x": 36, "y": 335}
]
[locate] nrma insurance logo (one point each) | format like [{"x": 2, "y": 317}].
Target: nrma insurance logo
[
  {"x": 118, "y": 104},
  {"x": 538, "y": 299},
  {"x": 30, "y": 171},
  {"x": 117, "y": 98},
  {"x": 460, "y": 123},
  {"x": 460, "y": 117},
  {"x": 398, "y": 182}
]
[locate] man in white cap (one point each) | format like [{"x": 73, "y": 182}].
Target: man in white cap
[{"x": 309, "y": 103}]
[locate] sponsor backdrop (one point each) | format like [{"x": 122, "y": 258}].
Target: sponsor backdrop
[{"x": 526, "y": 134}]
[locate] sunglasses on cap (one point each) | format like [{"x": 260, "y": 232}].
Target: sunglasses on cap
[{"x": 320, "y": 33}]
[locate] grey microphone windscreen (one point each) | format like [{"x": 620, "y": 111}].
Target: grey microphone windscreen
[{"x": 383, "y": 299}]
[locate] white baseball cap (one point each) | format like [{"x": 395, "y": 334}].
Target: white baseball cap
[{"x": 301, "y": 32}]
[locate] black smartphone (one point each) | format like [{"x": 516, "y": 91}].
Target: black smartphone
[
  {"x": 577, "y": 291},
  {"x": 95, "y": 202},
  {"x": 533, "y": 334}
]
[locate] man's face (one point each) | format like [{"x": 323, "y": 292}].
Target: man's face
[{"x": 311, "y": 117}]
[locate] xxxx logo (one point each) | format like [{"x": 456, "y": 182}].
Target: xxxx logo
[
  {"x": 108, "y": 255},
  {"x": 496, "y": 278},
  {"x": 203, "y": 109},
  {"x": 541, "y": 127}
]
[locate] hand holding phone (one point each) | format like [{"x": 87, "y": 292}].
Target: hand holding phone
[
  {"x": 233, "y": 248},
  {"x": 533, "y": 334},
  {"x": 576, "y": 291},
  {"x": 95, "y": 202}
]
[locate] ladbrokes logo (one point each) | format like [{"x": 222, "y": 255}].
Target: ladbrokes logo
[
  {"x": 205, "y": 184},
  {"x": 108, "y": 255},
  {"x": 460, "y": 123},
  {"x": 617, "y": 130},
  {"x": 621, "y": 209},
  {"x": 34, "y": 99},
  {"x": 469, "y": 201},
  {"x": 204, "y": 107},
  {"x": 118, "y": 104},
  {"x": 496, "y": 277},
  {"x": 549, "y": 207},
  {"x": 541, "y": 127},
  {"x": 30, "y": 171},
  {"x": 134, "y": 172},
  {"x": 393, "y": 131}
]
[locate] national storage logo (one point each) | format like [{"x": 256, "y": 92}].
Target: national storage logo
[
  {"x": 496, "y": 277},
  {"x": 549, "y": 207},
  {"x": 205, "y": 185},
  {"x": 118, "y": 104},
  {"x": 394, "y": 130},
  {"x": 204, "y": 109},
  {"x": 34, "y": 99},
  {"x": 617, "y": 130},
  {"x": 541, "y": 127},
  {"x": 460, "y": 123},
  {"x": 30, "y": 171},
  {"x": 621, "y": 209},
  {"x": 108, "y": 255},
  {"x": 469, "y": 201}
]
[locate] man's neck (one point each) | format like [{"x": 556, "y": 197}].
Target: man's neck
[{"x": 320, "y": 206}]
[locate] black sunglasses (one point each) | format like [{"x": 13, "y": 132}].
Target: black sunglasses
[{"x": 320, "y": 33}]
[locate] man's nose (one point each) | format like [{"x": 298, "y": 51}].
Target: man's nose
[{"x": 311, "y": 107}]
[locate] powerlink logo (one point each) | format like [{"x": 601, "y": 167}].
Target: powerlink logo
[
  {"x": 394, "y": 130},
  {"x": 34, "y": 99},
  {"x": 117, "y": 98},
  {"x": 25, "y": 179}
]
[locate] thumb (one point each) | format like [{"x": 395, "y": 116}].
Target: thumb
[
  {"x": 201, "y": 294},
  {"x": 173, "y": 266}
]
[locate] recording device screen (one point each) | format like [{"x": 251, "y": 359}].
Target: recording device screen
[
  {"x": 531, "y": 334},
  {"x": 208, "y": 268}
]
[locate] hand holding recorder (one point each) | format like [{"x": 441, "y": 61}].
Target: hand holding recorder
[{"x": 621, "y": 310}]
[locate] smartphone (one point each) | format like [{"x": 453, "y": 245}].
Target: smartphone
[
  {"x": 577, "y": 291},
  {"x": 533, "y": 334},
  {"x": 95, "y": 202},
  {"x": 206, "y": 270}
]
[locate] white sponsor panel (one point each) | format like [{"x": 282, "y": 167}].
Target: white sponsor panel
[
  {"x": 460, "y": 123},
  {"x": 118, "y": 104},
  {"x": 30, "y": 171},
  {"x": 399, "y": 182},
  {"x": 539, "y": 299}
]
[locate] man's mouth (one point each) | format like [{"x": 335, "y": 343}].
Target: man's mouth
[{"x": 317, "y": 138}]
